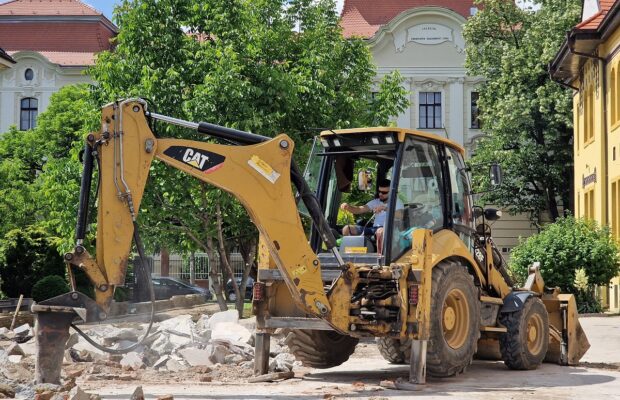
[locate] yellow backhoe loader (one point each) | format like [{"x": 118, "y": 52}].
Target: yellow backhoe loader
[{"x": 434, "y": 295}]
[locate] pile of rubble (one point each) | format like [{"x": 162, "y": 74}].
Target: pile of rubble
[{"x": 215, "y": 348}]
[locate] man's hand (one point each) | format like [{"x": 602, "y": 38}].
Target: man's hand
[
  {"x": 344, "y": 206},
  {"x": 379, "y": 208}
]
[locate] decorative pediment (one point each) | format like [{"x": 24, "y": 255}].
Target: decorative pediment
[
  {"x": 430, "y": 85},
  {"x": 428, "y": 34}
]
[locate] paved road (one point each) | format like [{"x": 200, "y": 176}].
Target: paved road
[{"x": 358, "y": 378}]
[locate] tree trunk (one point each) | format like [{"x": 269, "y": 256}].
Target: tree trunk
[
  {"x": 165, "y": 262},
  {"x": 226, "y": 261},
  {"x": 214, "y": 278},
  {"x": 192, "y": 268}
]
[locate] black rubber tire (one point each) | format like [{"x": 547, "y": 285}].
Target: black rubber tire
[
  {"x": 395, "y": 351},
  {"x": 320, "y": 349},
  {"x": 442, "y": 360},
  {"x": 514, "y": 343}
]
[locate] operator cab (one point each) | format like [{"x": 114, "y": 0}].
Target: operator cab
[{"x": 429, "y": 189}]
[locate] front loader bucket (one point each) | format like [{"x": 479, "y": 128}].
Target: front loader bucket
[{"x": 567, "y": 341}]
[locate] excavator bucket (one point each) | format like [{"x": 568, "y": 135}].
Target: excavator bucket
[{"x": 567, "y": 342}]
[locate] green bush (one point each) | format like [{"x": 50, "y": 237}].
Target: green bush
[
  {"x": 26, "y": 256},
  {"x": 564, "y": 247},
  {"x": 48, "y": 287}
]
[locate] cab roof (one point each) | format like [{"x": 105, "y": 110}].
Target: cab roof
[{"x": 401, "y": 133}]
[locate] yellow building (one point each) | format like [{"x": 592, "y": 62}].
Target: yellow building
[{"x": 589, "y": 63}]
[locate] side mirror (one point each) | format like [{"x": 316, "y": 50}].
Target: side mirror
[
  {"x": 364, "y": 180},
  {"x": 495, "y": 173}
]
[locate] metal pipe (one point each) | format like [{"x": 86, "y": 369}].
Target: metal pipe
[{"x": 87, "y": 177}]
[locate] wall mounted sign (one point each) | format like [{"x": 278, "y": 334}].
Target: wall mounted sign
[
  {"x": 588, "y": 179},
  {"x": 428, "y": 34}
]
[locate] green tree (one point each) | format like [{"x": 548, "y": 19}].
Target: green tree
[
  {"x": 266, "y": 66},
  {"x": 527, "y": 118},
  {"x": 39, "y": 181},
  {"x": 565, "y": 247},
  {"x": 48, "y": 287},
  {"x": 26, "y": 256}
]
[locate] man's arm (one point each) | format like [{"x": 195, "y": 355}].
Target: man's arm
[{"x": 355, "y": 209}]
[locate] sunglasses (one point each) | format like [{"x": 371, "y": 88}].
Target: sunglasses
[{"x": 384, "y": 191}]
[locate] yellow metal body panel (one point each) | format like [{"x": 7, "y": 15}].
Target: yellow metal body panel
[
  {"x": 422, "y": 259},
  {"x": 258, "y": 176},
  {"x": 114, "y": 220},
  {"x": 401, "y": 133}
]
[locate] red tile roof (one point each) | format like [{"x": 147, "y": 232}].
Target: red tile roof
[
  {"x": 365, "y": 17},
  {"x": 595, "y": 21},
  {"x": 47, "y": 8},
  {"x": 55, "y": 36},
  {"x": 67, "y": 58}
]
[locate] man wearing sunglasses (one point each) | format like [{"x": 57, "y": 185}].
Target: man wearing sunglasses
[{"x": 379, "y": 207}]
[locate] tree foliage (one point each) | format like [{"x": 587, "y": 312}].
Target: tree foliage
[
  {"x": 26, "y": 256},
  {"x": 563, "y": 248},
  {"x": 527, "y": 118},
  {"x": 266, "y": 66},
  {"x": 48, "y": 287}
]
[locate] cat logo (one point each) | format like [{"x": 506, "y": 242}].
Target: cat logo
[
  {"x": 202, "y": 160},
  {"x": 194, "y": 158}
]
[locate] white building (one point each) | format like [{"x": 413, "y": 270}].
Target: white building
[
  {"x": 52, "y": 42},
  {"x": 423, "y": 40}
]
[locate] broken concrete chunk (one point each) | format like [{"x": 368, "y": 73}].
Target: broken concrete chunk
[
  {"x": 78, "y": 394},
  {"x": 201, "y": 324},
  {"x": 282, "y": 363},
  {"x": 231, "y": 331},
  {"x": 15, "y": 350},
  {"x": 161, "y": 362},
  {"x": 194, "y": 356},
  {"x": 23, "y": 330},
  {"x": 29, "y": 349},
  {"x": 223, "y": 316},
  {"x": 16, "y": 372},
  {"x": 175, "y": 366},
  {"x": 15, "y": 359},
  {"x": 132, "y": 361},
  {"x": 47, "y": 395},
  {"x": 138, "y": 394},
  {"x": 234, "y": 359},
  {"x": 217, "y": 353},
  {"x": 166, "y": 397},
  {"x": 7, "y": 390},
  {"x": 73, "y": 340},
  {"x": 163, "y": 345}
]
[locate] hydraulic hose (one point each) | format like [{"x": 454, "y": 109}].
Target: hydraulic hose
[{"x": 145, "y": 273}]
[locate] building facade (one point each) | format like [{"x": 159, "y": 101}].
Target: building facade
[
  {"x": 423, "y": 40},
  {"x": 52, "y": 42},
  {"x": 589, "y": 63}
]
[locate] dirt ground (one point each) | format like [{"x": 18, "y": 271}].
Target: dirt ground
[{"x": 597, "y": 377}]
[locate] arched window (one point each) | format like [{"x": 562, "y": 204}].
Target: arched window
[
  {"x": 28, "y": 116},
  {"x": 29, "y": 74}
]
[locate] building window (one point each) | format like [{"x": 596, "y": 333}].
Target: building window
[
  {"x": 614, "y": 113},
  {"x": 475, "y": 111},
  {"x": 29, "y": 111},
  {"x": 29, "y": 74},
  {"x": 430, "y": 110},
  {"x": 615, "y": 210},
  {"x": 588, "y": 204},
  {"x": 616, "y": 103},
  {"x": 588, "y": 106}
]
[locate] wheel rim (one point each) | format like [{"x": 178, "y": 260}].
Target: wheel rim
[
  {"x": 534, "y": 334},
  {"x": 455, "y": 319}
]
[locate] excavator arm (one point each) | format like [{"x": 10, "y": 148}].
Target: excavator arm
[{"x": 259, "y": 173}]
